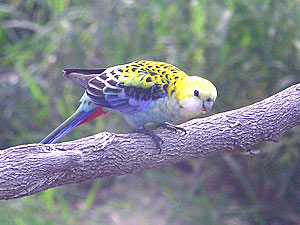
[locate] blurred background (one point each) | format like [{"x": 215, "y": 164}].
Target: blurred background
[{"x": 248, "y": 49}]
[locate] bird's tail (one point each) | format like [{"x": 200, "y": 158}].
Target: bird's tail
[{"x": 73, "y": 121}]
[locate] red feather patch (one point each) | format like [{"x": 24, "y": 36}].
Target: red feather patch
[{"x": 96, "y": 113}]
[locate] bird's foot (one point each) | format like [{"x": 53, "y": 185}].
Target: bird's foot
[
  {"x": 172, "y": 127},
  {"x": 158, "y": 141}
]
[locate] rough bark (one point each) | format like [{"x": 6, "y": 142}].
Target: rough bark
[{"x": 28, "y": 169}]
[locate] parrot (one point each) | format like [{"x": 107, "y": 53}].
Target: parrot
[{"x": 143, "y": 92}]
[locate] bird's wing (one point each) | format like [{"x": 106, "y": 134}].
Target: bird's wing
[
  {"x": 82, "y": 76},
  {"x": 131, "y": 87}
]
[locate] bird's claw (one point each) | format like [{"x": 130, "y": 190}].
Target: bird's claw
[
  {"x": 158, "y": 141},
  {"x": 172, "y": 127}
]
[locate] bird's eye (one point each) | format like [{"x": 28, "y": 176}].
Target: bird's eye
[{"x": 196, "y": 93}]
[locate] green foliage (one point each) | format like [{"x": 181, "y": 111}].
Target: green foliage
[{"x": 249, "y": 49}]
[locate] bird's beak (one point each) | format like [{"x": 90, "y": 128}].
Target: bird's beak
[{"x": 207, "y": 105}]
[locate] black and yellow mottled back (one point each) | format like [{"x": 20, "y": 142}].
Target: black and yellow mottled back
[
  {"x": 145, "y": 74},
  {"x": 128, "y": 88}
]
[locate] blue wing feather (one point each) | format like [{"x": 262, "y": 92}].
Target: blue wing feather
[{"x": 107, "y": 91}]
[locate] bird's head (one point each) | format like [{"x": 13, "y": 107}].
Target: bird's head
[{"x": 195, "y": 95}]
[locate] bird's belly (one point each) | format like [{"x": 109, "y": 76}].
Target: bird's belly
[{"x": 154, "y": 113}]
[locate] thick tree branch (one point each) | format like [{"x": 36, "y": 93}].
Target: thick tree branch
[{"x": 28, "y": 169}]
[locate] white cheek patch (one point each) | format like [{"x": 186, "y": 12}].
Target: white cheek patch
[{"x": 193, "y": 107}]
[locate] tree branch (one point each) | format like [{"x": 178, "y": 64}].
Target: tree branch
[{"x": 28, "y": 169}]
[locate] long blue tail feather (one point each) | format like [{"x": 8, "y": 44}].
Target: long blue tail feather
[{"x": 66, "y": 127}]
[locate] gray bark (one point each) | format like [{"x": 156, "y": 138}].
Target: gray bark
[{"x": 28, "y": 169}]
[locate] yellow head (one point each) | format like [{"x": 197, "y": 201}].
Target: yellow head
[{"x": 195, "y": 95}]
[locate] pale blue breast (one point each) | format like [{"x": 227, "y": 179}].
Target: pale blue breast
[{"x": 155, "y": 112}]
